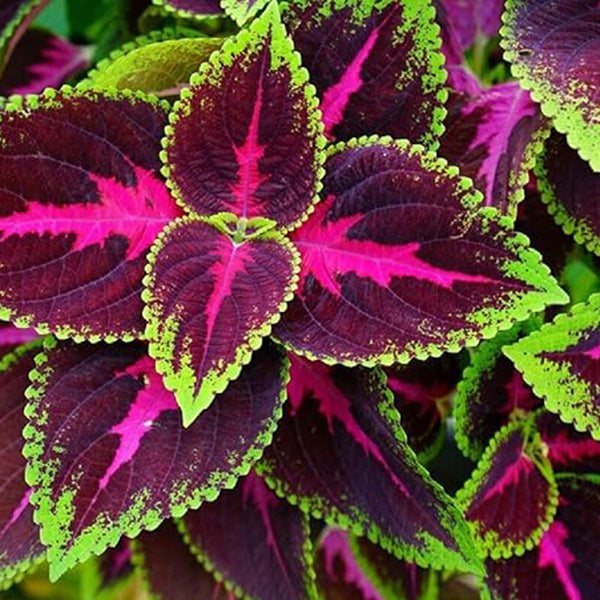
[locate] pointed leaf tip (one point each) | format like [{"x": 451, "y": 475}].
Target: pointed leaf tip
[
  {"x": 561, "y": 362},
  {"x": 246, "y": 138},
  {"x": 210, "y": 302}
]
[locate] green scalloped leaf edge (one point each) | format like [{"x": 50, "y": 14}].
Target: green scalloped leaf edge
[
  {"x": 578, "y": 229},
  {"x": 283, "y": 49},
  {"x": 14, "y": 573},
  {"x": 48, "y": 99},
  {"x": 186, "y": 14},
  {"x": 192, "y": 406},
  {"x": 431, "y": 40},
  {"x": 518, "y": 180},
  {"x": 483, "y": 361},
  {"x": 240, "y": 12},
  {"x": 385, "y": 588},
  {"x": 581, "y": 136},
  {"x": 557, "y": 385},
  {"x": 437, "y": 556},
  {"x": 473, "y": 200},
  {"x": 489, "y": 545},
  {"x": 26, "y": 13},
  {"x": 39, "y": 474},
  {"x": 230, "y": 585}
]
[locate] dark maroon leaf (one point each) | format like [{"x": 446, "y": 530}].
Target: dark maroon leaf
[
  {"x": 192, "y": 8},
  {"x": 20, "y": 547},
  {"x": 11, "y": 337},
  {"x": 171, "y": 571},
  {"x": 256, "y": 542},
  {"x": 422, "y": 394},
  {"x": 564, "y": 566},
  {"x": 15, "y": 16},
  {"x": 571, "y": 191},
  {"x": 398, "y": 262},
  {"x": 511, "y": 498},
  {"x": 494, "y": 138},
  {"x": 341, "y": 454},
  {"x": 81, "y": 203},
  {"x": 107, "y": 452},
  {"x": 376, "y": 66},
  {"x": 210, "y": 300},
  {"x": 553, "y": 47},
  {"x": 392, "y": 577},
  {"x": 338, "y": 575},
  {"x": 568, "y": 450},
  {"x": 546, "y": 236},
  {"x": 40, "y": 60},
  {"x": 115, "y": 564},
  {"x": 451, "y": 45},
  {"x": 492, "y": 393},
  {"x": 472, "y": 19},
  {"x": 245, "y": 138}
]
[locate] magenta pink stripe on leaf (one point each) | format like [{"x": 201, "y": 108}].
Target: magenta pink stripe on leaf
[
  {"x": 106, "y": 443},
  {"x": 170, "y": 569},
  {"x": 564, "y": 566},
  {"x": 20, "y": 546},
  {"x": 340, "y": 452},
  {"x": 210, "y": 300},
  {"x": 377, "y": 67},
  {"x": 511, "y": 498},
  {"x": 397, "y": 261},
  {"x": 246, "y": 137},
  {"x": 256, "y": 541},
  {"x": 83, "y": 201},
  {"x": 41, "y": 60}
]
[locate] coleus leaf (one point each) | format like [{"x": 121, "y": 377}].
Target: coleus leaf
[
  {"x": 11, "y": 337},
  {"x": 422, "y": 392},
  {"x": 394, "y": 578},
  {"x": 210, "y": 301},
  {"x": 451, "y": 45},
  {"x": 341, "y": 455},
  {"x": 564, "y": 566},
  {"x": 170, "y": 570},
  {"x": 474, "y": 18},
  {"x": 339, "y": 576},
  {"x": 553, "y": 47},
  {"x": 571, "y": 191},
  {"x": 41, "y": 60},
  {"x": 377, "y": 66},
  {"x": 399, "y": 261},
  {"x": 245, "y": 138},
  {"x": 82, "y": 202},
  {"x": 115, "y": 565},
  {"x": 20, "y": 547},
  {"x": 494, "y": 138},
  {"x": 511, "y": 497},
  {"x": 491, "y": 393},
  {"x": 155, "y": 64},
  {"x": 561, "y": 362},
  {"x": 107, "y": 452},
  {"x": 242, "y": 10},
  {"x": 192, "y": 8},
  {"x": 569, "y": 451},
  {"x": 545, "y": 235},
  {"x": 15, "y": 16},
  {"x": 257, "y": 543}
]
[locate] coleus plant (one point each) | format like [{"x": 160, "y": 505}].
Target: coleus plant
[{"x": 231, "y": 259}]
